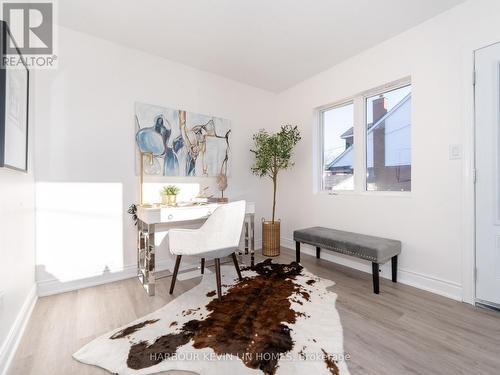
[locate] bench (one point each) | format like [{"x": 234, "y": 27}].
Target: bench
[{"x": 374, "y": 249}]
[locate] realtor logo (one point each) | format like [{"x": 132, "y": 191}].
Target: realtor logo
[
  {"x": 29, "y": 38},
  {"x": 31, "y": 26}
]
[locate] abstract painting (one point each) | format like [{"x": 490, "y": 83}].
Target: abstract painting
[{"x": 180, "y": 143}]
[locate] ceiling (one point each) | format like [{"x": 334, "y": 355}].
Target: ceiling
[{"x": 270, "y": 44}]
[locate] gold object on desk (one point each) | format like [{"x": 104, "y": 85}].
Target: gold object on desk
[{"x": 169, "y": 200}]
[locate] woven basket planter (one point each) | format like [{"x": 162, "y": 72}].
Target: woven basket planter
[{"x": 270, "y": 238}]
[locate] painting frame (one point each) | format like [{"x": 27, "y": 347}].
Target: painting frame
[{"x": 21, "y": 98}]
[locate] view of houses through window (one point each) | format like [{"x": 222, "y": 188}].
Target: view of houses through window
[
  {"x": 338, "y": 143},
  {"x": 388, "y": 140},
  {"x": 388, "y": 143}
]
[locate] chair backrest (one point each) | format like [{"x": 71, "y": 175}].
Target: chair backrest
[{"x": 223, "y": 227}]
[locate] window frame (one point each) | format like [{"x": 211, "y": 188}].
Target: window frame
[
  {"x": 360, "y": 169},
  {"x": 321, "y": 112}
]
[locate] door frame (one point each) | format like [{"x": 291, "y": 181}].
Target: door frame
[{"x": 469, "y": 181}]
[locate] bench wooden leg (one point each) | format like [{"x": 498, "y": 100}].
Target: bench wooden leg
[
  {"x": 318, "y": 251},
  {"x": 297, "y": 251},
  {"x": 375, "y": 271},
  {"x": 202, "y": 266},
  {"x": 394, "y": 264}
]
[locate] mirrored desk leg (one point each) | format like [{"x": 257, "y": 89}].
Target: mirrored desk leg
[
  {"x": 252, "y": 240},
  {"x": 146, "y": 256},
  {"x": 141, "y": 250},
  {"x": 149, "y": 284},
  {"x": 140, "y": 246},
  {"x": 246, "y": 235}
]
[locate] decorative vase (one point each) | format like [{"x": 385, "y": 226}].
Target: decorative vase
[
  {"x": 169, "y": 200},
  {"x": 270, "y": 238}
]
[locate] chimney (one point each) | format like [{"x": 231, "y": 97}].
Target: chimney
[
  {"x": 379, "y": 108},
  {"x": 379, "y": 111}
]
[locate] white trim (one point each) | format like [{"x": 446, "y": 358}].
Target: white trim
[
  {"x": 469, "y": 150},
  {"x": 359, "y": 157},
  {"x": 321, "y": 134},
  {"x": 336, "y": 104},
  {"x": 358, "y": 101},
  {"x": 317, "y": 158},
  {"x": 469, "y": 166},
  {"x": 371, "y": 193},
  {"x": 11, "y": 343},
  {"x": 469, "y": 189},
  {"x": 391, "y": 86},
  {"x": 418, "y": 280},
  {"x": 55, "y": 286}
]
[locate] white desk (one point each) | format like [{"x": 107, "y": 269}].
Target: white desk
[{"x": 149, "y": 217}]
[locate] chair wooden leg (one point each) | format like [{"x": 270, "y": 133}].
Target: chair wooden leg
[
  {"x": 375, "y": 271},
  {"x": 297, "y": 251},
  {"x": 202, "y": 266},
  {"x": 217, "y": 277},
  {"x": 176, "y": 270},
  {"x": 318, "y": 252},
  {"x": 394, "y": 264},
  {"x": 235, "y": 261}
]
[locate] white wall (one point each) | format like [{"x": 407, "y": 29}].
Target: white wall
[
  {"x": 85, "y": 152},
  {"x": 17, "y": 252},
  {"x": 85, "y": 174},
  {"x": 435, "y": 221}
]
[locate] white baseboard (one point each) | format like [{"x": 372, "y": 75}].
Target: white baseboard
[
  {"x": 425, "y": 282},
  {"x": 55, "y": 286},
  {"x": 9, "y": 346},
  {"x": 431, "y": 284},
  {"x": 257, "y": 243}
]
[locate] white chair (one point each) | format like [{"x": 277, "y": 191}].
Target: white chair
[{"x": 218, "y": 237}]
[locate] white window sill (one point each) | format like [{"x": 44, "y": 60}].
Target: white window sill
[{"x": 339, "y": 193}]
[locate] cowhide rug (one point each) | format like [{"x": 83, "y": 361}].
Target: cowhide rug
[{"x": 280, "y": 319}]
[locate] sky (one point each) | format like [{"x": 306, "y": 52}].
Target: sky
[{"x": 338, "y": 120}]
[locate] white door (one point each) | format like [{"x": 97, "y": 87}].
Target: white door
[{"x": 487, "y": 98}]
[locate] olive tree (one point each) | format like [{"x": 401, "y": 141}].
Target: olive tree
[{"x": 273, "y": 152}]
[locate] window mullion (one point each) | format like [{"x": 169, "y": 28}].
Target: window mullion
[
  {"x": 318, "y": 156},
  {"x": 360, "y": 145}
]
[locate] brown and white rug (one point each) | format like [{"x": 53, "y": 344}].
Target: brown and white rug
[{"x": 280, "y": 319}]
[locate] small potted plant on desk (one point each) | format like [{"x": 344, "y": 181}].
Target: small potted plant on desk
[
  {"x": 169, "y": 195},
  {"x": 273, "y": 152}
]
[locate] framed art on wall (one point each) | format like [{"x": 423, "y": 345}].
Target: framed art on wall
[
  {"x": 14, "y": 95},
  {"x": 181, "y": 143}
]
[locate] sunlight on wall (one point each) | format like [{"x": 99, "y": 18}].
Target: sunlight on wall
[
  {"x": 79, "y": 229},
  {"x": 187, "y": 191}
]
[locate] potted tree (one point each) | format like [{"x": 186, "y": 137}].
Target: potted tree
[
  {"x": 169, "y": 195},
  {"x": 273, "y": 152}
]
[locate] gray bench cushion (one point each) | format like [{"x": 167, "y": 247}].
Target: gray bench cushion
[{"x": 374, "y": 249}]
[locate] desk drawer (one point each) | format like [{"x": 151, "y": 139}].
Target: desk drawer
[{"x": 193, "y": 213}]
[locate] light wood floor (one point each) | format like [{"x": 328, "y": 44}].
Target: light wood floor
[{"x": 401, "y": 331}]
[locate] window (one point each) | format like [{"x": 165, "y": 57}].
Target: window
[
  {"x": 338, "y": 147},
  {"x": 381, "y": 121},
  {"x": 388, "y": 140}
]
